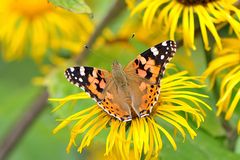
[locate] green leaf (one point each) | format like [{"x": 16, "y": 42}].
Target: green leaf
[{"x": 76, "y": 6}]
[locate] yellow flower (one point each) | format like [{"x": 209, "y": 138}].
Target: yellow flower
[
  {"x": 34, "y": 26},
  {"x": 227, "y": 67},
  {"x": 130, "y": 3},
  {"x": 168, "y": 13},
  {"x": 141, "y": 136}
]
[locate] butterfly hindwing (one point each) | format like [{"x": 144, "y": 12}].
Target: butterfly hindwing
[
  {"x": 149, "y": 66},
  {"x": 115, "y": 108}
]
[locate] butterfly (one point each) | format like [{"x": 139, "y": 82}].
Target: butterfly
[{"x": 129, "y": 92}]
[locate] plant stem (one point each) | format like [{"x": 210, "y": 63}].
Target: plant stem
[
  {"x": 231, "y": 134},
  {"x": 23, "y": 124},
  {"x": 116, "y": 9}
]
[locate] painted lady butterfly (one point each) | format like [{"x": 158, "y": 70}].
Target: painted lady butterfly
[{"x": 127, "y": 92}]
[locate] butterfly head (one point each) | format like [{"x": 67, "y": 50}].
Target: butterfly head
[
  {"x": 116, "y": 66},
  {"x": 118, "y": 74}
]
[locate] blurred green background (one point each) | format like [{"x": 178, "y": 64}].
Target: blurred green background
[{"x": 17, "y": 93}]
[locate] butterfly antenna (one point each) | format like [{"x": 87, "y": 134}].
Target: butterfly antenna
[
  {"x": 88, "y": 48},
  {"x": 130, "y": 39},
  {"x": 133, "y": 35}
]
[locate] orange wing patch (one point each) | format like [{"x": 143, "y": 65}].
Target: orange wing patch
[
  {"x": 148, "y": 69},
  {"x": 152, "y": 68},
  {"x": 96, "y": 84},
  {"x": 114, "y": 110},
  {"x": 149, "y": 99}
]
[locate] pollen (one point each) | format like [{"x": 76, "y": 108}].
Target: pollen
[
  {"x": 30, "y": 8},
  {"x": 195, "y": 2}
]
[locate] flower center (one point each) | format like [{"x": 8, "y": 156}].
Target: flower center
[
  {"x": 195, "y": 2},
  {"x": 30, "y": 8}
]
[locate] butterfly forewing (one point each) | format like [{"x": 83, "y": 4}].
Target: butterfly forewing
[
  {"x": 90, "y": 79},
  {"x": 149, "y": 66}
]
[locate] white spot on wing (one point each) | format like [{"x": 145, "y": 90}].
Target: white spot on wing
[
  {"x": 155, "y": 51},
  {"x": 94, "y": 99},
  {"x": 71, "y": 69},
  {"x": 126, "y": 120},
  {"x": 80, "y": 79},
  {"x": 94, "y": 73},
  {"x": 162, "y": 56},
  {"x": 164, "y": 43},
  {"x": 88, "y": 94},
  {"x": 82, "y": 71}
]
